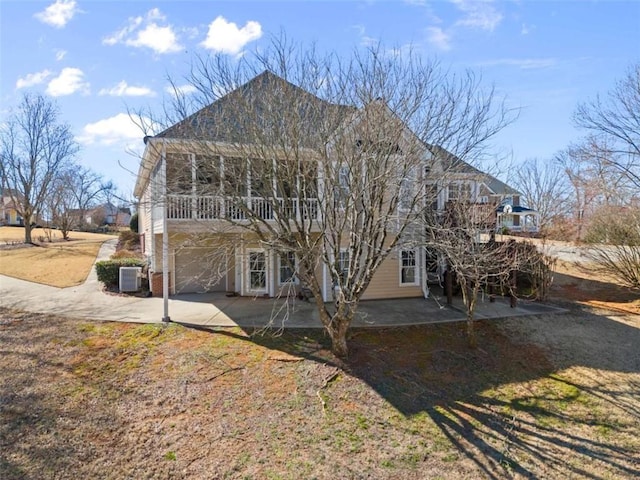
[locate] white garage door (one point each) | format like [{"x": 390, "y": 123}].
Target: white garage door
[{"x": 197, "y": 270}]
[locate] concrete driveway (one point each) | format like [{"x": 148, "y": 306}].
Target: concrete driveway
[{"x": 88, "y": 301}]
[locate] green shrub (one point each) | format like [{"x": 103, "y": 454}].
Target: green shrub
[
  {"x": 133, "y": 224},
  {"x": 109, "y": 270}
]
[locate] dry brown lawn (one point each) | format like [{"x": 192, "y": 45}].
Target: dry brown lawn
[
  {"x": 16, "y": 235},
  {"x": 59, "y": 263},
  {"x": 543, "y": 397}
]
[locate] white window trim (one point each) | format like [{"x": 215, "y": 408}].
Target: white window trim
[
  {"x": 416, "y": 279},
  {"x": 295, "y": 280}
]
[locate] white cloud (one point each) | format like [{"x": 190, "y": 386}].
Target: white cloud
[
  {"x": 32, "y": 79},
  {"x": 522, "y": 63},
  {"x": 440, "y": 39},
  {"x": 226, "y": 37},
  {"x": 119, "y": 129},
  {"x": 60, "y": 54},
  {"x": 159, "y": 39},
  {"x": 70, "y": 80},
  {"x": 122, "y": 89},
  {"x": 478, "y": 14},
  {"x": 527, "y": 29},
  {"x": 147, "y": 32},
  {"x": 58, "y": 14},
  {"x": 180, "y": 89}
]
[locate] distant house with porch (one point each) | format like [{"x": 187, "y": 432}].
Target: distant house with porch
[{"x": 8, "y": 212}]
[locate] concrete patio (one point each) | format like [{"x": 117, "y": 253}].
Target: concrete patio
[{"x": 89, "y": 302}]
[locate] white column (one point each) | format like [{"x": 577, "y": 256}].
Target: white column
[{"x": 165, "y": 240}]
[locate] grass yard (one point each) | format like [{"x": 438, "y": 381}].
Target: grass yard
[
  {"x": 59, "y": 263},
  {"x": 543, "y": 397},
  {"x": 10, "y": 235}
]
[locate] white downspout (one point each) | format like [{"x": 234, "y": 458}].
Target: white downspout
[
  {"x": 325, "y": 296},
  {"x": 423, "y": 269}
]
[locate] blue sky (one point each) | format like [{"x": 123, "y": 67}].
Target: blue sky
[{"x": 96, "y": 58}]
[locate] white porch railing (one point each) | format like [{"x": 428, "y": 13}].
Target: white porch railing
[{"x": 190, "y": 207}]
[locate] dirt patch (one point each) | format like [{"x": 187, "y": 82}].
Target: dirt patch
[{"x": 550, "y": 397}]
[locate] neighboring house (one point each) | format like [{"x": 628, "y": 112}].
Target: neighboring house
[
  {"x": 486, "y": 190},
  {"x": 108, "y": 214},
  {"x": 178, "y": 212},
  {"x": 8, "y": 213}
]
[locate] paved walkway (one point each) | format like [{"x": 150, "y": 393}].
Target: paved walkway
[{"x": 88, "y": 301}]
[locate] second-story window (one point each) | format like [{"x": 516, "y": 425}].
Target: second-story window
[
  {"x": 343, "y": 264},
  {"x": 342, "y": 188},
  {"x": 459, "y": 191},
  {"x": 406, "y": 192}
]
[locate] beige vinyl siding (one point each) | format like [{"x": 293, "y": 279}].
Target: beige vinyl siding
[
  {"x": 144, "y": 220},
  {"x": 386, "y": 281}
]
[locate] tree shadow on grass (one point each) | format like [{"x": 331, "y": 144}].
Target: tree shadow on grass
[{"x": 506, "y": 405}]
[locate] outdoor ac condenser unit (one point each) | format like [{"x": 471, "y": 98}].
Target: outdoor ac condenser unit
[{"x": 130, "y": 278}]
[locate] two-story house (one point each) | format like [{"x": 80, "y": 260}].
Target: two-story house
[{"x": 199, "y": 188}]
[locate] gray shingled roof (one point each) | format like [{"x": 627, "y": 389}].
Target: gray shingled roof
[
  {"x": 269, "y": 107},
  {"x": 266, "y": 107},
  {"x": 456, "y": 164}
]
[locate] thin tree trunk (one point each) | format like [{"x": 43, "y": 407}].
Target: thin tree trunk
[{"x": 470, "y": 295}]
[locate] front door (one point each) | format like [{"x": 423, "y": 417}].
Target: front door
[{"x": 257, "y": 274}]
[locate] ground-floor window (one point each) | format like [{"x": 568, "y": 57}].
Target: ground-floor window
[
  {"x": 408, "y": 273},
  {"x": 287, "y": 268},
  {"x": 257, "y": 271}
]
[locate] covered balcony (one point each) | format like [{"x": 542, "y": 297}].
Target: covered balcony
[{"x": 191, "y": 207}]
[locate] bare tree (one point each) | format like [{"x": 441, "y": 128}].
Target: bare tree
[
  {"x": 544, "y": 187},
  {"x": 463, "y": 236},
  {"x": 88, "y": 188},
  {"x": 617, "y": 116},
  {"x": 614, "y": 238},
  {"x": 60, "y": 204},
  {"x": 34, "y": 147},
  {"x": 323, "y": 160},
  {"x": 595, "y": 180}
]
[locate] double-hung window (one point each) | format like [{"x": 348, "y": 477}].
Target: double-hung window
[
  {"x": 287, "y": 268},
  {"x": 408, "y": 267},
  {"x": 342, "y": 189}
]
